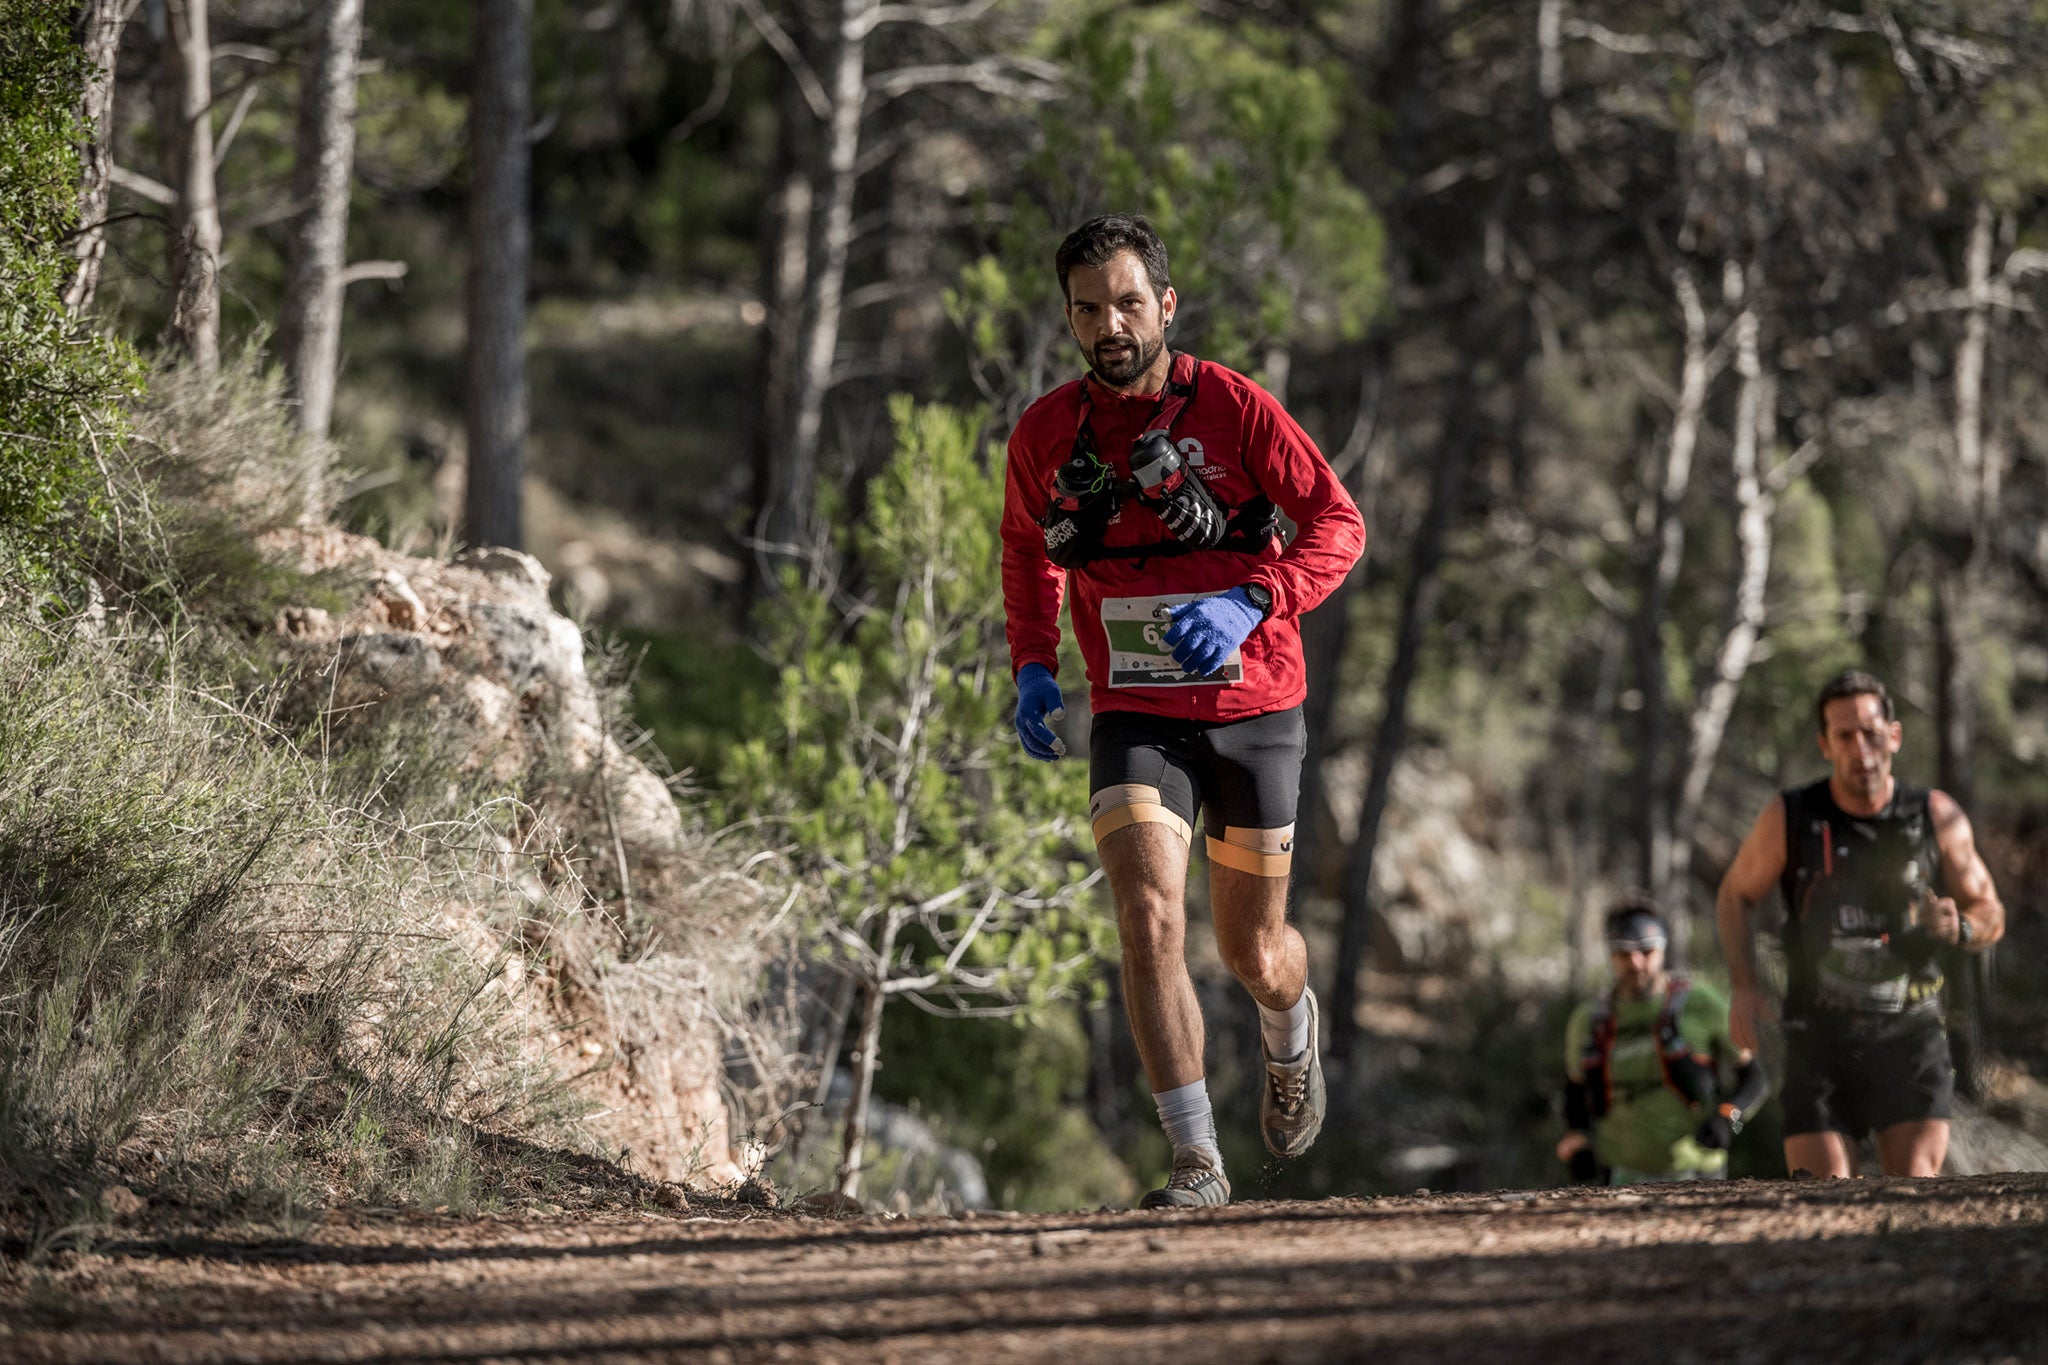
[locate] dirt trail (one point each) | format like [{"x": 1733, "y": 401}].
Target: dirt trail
[{"x": 1869, "y": 1271}]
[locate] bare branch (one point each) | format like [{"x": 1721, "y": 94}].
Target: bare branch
[
  {"x": 882, "y": 291},
  {"x": 371, "y": 270},
  {"x": 1015, "y": 77},
  {"x": 785, "y": 47},
  {"x": 965, "y": 1011},
  {"x": 1633, "y": 44},
  {"x": 1902, "y": 55},
  {"x": 931, "y": 16},
  {"x": 1795, "y": 466},
  {"x": 959, "y": 949},
  {"x": 713, "y": 105},
  {"x": 227, "y": 136},
  {"x": 1957, "y": 301},
  {"x": 1976, "y": 58},
  {"x": 155, "y": 191},
  {"x": 1454, "y": 172},
  {"x": 2025, "y": 261},
  {"x": 247, "y": 52},
  {"x": 280, "y": 212}
]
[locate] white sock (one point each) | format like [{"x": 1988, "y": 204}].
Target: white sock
[
  {"x": 1286, "y": 1031},
  {"x": 1189, "y": 1122}
]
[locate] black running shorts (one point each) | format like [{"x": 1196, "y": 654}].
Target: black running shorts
[
  {"x": 1858, "y": 1077},
  {"x": 1240, "y": 774}
]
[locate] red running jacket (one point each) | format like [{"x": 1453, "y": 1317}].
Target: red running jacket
[{"x": 1242, "y": 443}]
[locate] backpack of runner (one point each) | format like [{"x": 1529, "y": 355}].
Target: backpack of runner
[{"x": 1689, "y": 1074}]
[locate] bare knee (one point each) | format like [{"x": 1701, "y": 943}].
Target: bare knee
[
  {"x": 1152, "y": 925},
  {"x": 1257, "y": 960}
]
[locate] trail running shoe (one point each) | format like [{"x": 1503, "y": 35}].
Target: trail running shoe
[
  {"x": 1194, "y": 1184},
  {"x": 1294, "y": 1100}
]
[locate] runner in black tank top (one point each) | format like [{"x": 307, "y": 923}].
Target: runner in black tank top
[
  {"x": 1850, "y": 884},
  {"x": 1881, "y": 882}
]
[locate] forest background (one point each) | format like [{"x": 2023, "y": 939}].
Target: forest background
[{"x": 1678, "y": 355}]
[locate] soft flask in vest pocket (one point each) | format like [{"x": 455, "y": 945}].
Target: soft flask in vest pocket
[{"x": 1176, "y": 493}]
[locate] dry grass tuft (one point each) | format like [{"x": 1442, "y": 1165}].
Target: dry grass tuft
[{"x": 255, "y": 963}]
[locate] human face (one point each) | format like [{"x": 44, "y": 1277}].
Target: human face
[
  {"x": 1637, "y": 971},
  {"x": 1120, "y": 323},
  {"x": 1858, "y": 743}
]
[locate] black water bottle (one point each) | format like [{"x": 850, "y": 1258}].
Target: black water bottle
[
  {"x": 1156, "y": 465},
  {"x": 1078, "y": 480}
]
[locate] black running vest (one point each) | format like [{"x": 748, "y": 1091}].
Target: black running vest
[{"x": 1847, "y": 888}]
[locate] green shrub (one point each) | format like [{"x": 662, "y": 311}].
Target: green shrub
[
  {"x": 948, "y": 868},
  {"x": 58, "y": 385}
]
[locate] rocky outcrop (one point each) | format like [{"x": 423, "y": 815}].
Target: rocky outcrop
[
  {"x": 644, "y": 945},
  {"x": 1448, "y": 887}
]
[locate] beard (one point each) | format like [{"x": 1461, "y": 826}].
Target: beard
[{"x": 1130, "y": 358}]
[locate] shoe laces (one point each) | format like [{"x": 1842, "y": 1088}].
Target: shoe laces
[
  {"x": 1188, "y": 1173},
  {"x": 1290, "y": 1089}
]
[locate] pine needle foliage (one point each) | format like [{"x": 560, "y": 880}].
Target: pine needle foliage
[
  {"x": 1229, "y": 138},
  {"x": 887, "y": 754}
]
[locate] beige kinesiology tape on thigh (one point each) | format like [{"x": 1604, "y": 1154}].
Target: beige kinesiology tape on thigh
[
  {"x": 1260, "y": 852},
  {"x": 1133, "y": 803}
]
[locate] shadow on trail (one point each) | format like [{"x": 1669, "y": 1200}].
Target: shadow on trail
[
  {"x": 717, "y": 1238},
  {"x": 1872, "y": 1298}
]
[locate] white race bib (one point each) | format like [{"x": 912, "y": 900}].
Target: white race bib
[{"x": 1138, "y": 653}]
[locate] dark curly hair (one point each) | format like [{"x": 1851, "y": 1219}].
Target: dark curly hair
[{"x": 1100, "y": 240}]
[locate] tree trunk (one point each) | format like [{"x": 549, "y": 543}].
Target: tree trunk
[
  {"x": 99, "y": 26},
  {"x": 1404, "y": 81},
  {"x": 867, "y": 1060},
  {"x": 1664, "y": 552},
  {"x": 1278, "y": 365},
  {"x": 195, "y": 219},
  {"x": 499, "y": 245},
  {"x": 785, "y": 268},
  {"x": 1954, "y": 702},
  {"x": 1974, "y": 483},
  {"x": 1589, "y": 843},
  {"x": 1418, "y": 609},
  {"x": 788, "y": 529},
  {"x": 1325, "y": 636},
  {"x": 1326, "y": 631},
  {"x": 309, "y": 328},
  {"x": 1754, "y": 408},
  {"x": 832, "y": 1032}
]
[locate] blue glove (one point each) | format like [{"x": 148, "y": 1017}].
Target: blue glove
[
  {"x": 1205, "y": 633},
  {"x": 1038, "y": 701}
]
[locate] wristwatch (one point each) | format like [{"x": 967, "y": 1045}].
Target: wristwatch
[
  {"x": 1261, "y": 597},
  {"x": 1965, "y": 931}
]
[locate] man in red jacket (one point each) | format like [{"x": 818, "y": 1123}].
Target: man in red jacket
[{"x": 1150, "y": 488}]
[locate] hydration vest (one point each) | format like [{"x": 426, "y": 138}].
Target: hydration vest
[
  {"x": 1847, "y": 895},
  {"x": 1687, "y": 1073},
  {"x": 1247, "y": 529}
]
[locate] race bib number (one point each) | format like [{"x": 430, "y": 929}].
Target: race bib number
[
  {"x": 1138, "y": 653},
  {"x": 1862, "y": 974}
]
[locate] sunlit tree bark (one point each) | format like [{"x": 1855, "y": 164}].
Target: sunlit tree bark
[
  {"x": 100, "y": 24},
  {"x": 195, "y": 217},
  {"x": 309, "y": 329}
]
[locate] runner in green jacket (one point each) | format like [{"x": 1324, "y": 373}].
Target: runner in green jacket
[{"x": 1645, "y": 1065}]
